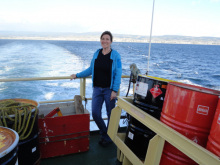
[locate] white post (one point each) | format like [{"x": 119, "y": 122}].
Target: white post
[{"x": 150, "y": 38}]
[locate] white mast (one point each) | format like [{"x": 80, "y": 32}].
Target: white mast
[{"x": 150, "y": 38}]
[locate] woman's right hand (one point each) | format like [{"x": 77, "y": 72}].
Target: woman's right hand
[{"x": 73, "y": 76}]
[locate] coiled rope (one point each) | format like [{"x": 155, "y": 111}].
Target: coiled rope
[{"x": 11, "y": 107}]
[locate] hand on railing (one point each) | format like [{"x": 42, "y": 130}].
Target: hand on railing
[
  {"x": 113, "y": 95},
  {"x": 73, "y": 76}
]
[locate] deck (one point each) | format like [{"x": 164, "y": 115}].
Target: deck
[{"x": 97, "y": 155}]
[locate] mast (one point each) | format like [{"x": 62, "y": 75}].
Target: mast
[{"x": 150, "y": 39}]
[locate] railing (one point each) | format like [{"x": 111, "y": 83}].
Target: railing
[
  {"x": 82, "y": 85},
  {"x": 155, "y": 148}
]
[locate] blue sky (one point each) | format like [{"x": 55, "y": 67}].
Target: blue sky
[{"x": 171, "y": 17}]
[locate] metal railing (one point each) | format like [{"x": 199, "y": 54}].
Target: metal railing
[
  {"x": 82, "y": 85},
  {"x": 156, "y": 145}
]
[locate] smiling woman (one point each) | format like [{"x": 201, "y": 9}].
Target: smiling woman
[
  {"x": 106, "y": 40},
  {"x": 106, "y": 71}
]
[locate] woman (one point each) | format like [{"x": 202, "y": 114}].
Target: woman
[{"x": 106, "y": 71}]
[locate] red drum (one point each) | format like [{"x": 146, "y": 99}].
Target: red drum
[
  {"x": 213, "y": 144},
  {"x": 189, "y": 110}
]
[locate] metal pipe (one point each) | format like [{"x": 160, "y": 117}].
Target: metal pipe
[
  {"x": 37, "y": 78},
  {"x": 150, "y": 39},
  {"x": 54, "y": 101},
  {"x": 122, "y": 117},
  {"x": 45, "y": 78},
  {"x": 102, "y": 118}
]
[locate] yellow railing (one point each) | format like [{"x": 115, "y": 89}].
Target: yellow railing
[
  {"x": 82, "y": 85},
  {"x": 155, "y": 148}
]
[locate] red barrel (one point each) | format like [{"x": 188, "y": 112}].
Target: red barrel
[
  {"x": 189, "y": 110},
  {"x": 213, "y": 144}
]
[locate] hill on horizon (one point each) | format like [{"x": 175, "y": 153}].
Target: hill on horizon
[
  {"x": 44, "y": 34},
  {"x": 94, "y": 36}
]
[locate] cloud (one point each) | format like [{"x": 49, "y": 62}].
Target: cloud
[
  {"x": 42, "y": 27},
  {"x": 215, "y": 1},
  {"x": 75, "y": 19},
  {"x": 195, "y": 2}
]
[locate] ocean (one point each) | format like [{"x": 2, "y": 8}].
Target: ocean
[{"x": 191, "y": 64}]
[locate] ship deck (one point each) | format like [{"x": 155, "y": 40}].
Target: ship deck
[{"x": 94, "y": 156}]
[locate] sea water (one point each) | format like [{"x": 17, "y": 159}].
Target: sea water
[{"x": 191, "y": 64}]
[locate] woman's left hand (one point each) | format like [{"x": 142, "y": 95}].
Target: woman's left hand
[{"x": 113, "y": 95}]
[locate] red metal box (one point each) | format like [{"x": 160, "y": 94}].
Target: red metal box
[{"x": 61, "y": 135}]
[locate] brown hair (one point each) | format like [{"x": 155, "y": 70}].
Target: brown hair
[{"x": 108, "y": 33}]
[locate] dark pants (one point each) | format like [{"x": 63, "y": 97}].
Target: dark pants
[{"x": 98, "y": 97}]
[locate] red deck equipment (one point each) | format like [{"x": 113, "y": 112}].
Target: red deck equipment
[
  {"x": 189, "y": 110},
  {"x": 53, "y": 112},
  {"x": 213, "y": 144},
  {"x": 61, "y": 135}
]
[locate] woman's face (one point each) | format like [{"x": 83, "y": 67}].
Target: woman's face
[{"x": 106, "y": 41}]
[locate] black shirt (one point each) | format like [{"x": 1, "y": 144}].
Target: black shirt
[{"x": 103, "y": 70}]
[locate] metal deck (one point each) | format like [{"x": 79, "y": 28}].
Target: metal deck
[{"x": 97, "y": 155}]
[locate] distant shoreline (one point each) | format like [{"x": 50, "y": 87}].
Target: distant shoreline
[{"x": 167, "y": 39}]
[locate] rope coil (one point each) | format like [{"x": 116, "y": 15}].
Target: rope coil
[{"x": 18, "y": 109}]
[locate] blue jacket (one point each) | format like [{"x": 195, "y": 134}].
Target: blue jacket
[{"x": 116, "y": 69}]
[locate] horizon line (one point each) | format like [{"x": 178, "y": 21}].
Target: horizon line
[{"x": 101, "y": 33}]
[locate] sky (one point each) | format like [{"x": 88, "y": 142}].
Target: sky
[{"x": 171, "y": 17}]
